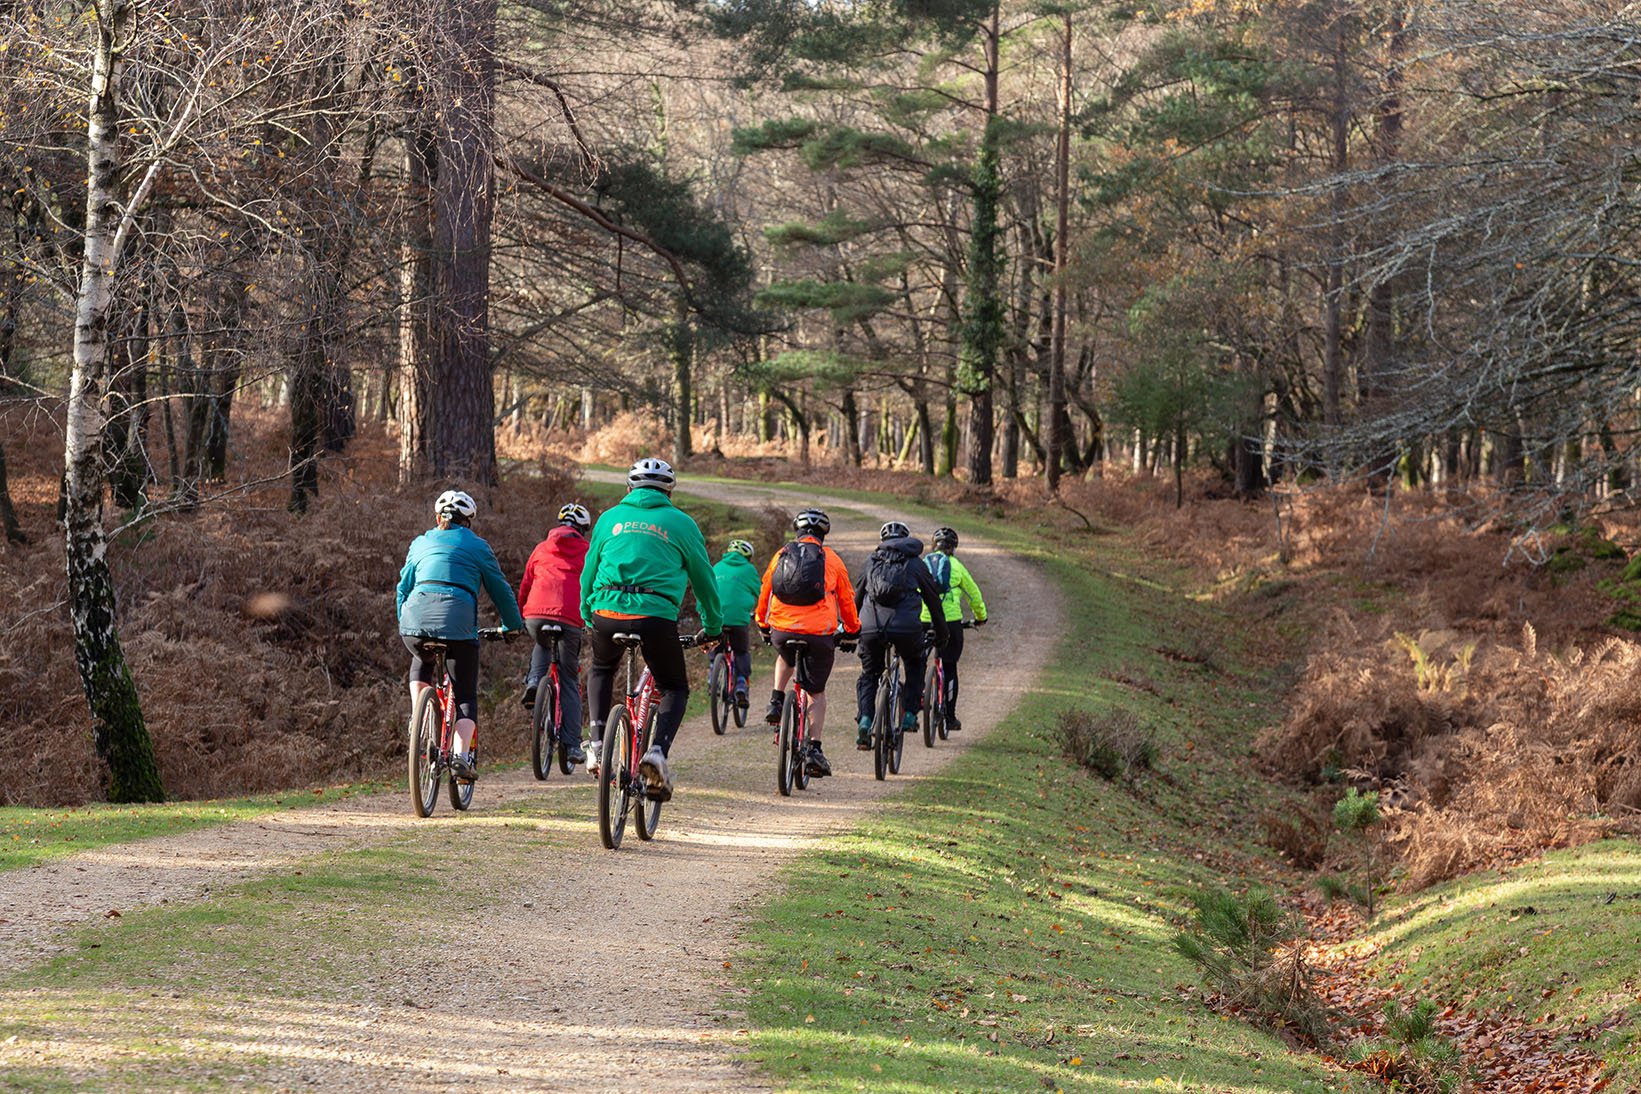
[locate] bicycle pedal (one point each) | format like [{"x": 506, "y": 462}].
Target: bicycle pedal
[{"x": 658, "y": 793}]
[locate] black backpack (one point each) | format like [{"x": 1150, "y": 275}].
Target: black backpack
[
  {"x": 889, "y": 577},
  {"x": 800, "y": 574}
]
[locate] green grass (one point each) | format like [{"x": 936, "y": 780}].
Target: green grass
[
  {"x": 218, "y": 992},
  {"x": 30, "y": 836},
  {"x": 1553, "y": 941},
  {"x": 1007, "y": 925}
]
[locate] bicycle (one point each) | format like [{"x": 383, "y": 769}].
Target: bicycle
[
  {"x": 792, "y": 738},
  {"x": 432, "y": 726},
  {"x": 934, "y": 690},
  {"x": 548, "y": 714},
  {"x": 721, "y": 690},
  {"x": 627, "y": 736},
  {"x": 888, "y": 739}
]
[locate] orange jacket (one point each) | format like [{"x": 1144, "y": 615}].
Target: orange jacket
[{"x": 838, "y": 606}]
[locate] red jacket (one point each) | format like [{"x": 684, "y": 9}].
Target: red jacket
[{"x": 551, "y": 586}]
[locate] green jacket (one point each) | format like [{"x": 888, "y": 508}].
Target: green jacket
[
  {"x": 644, "y": 552},
  {"x": 738, "y": 588},
  {"x": 962, "y": 585}
]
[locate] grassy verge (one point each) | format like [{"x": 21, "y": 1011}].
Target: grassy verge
[
  {"x": 31, "y": 836},
  {"x": 1552, "y": 941},
  {"x": 255, "y": 985},
  {"x": 1007, "y": 925}
]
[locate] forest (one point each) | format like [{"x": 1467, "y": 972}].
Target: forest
[{"x": 1283, "y": 354}]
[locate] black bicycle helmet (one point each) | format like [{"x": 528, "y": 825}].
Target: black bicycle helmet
[
  {"x": 945, "y": 539},
  {"x": 812, "y": 522},
  {"x": 894, "y": 530}
]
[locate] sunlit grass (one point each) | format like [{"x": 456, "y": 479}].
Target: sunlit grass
[
  {"x": 1553, "y": 940},
  {"x": 29, "y": 836},
  {"x": 1006, "y": 924}
]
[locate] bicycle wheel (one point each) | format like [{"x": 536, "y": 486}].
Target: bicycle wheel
[
  {"x": 544, "y": 726},
  {"x": 897, "y": 736},
  {"x": 787, "y": 748},
  {"x": 945, "y": 722},
  {"x": 613, "y": 770},
  {"x": 649, "y": 809},
  {"x": 718, "y": 696},
  {"x": 931, "y": 709},
  {"x": 461, "y": 794},
  {"x": 800, "y": 741},
  {"x": 880, "y": 732},
  {"x": 740, "y": 712},
  {"x": 424, "y": 753}
]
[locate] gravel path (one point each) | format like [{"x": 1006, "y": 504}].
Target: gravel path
[{"x": 537, "y": 1017}]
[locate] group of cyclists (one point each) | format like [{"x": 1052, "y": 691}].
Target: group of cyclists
[{"x": 626, "y": 574}]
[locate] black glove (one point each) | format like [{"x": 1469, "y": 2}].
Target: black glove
[
  {"x": 942, "y": 640},
  {"x": 979, "y": 622},
  {"x": 765, "y": 632}
]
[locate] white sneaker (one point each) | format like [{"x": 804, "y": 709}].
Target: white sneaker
[
  {"x": 653, "y": 769},
  {"x": 592, "y": 748}
]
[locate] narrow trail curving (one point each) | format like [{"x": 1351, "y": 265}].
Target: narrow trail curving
[{"x": 540, "y": 1012}]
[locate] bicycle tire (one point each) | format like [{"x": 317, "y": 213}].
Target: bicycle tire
[
  {"x": 718, "y": 699},
  {"x": 564, "y": 764},
  {"x": 740, "y": 713},
  {"x": 931, "y": 709},
  {"x": 897, "y": 741},
  {"x": 461, "y": 794},
  {"x": 613, "y": 791},
  {"x": 800, "y": 743},
  {"x": 786, "y": 749},
  {"x": 423, "y": 748},
  {"x": 544, "y": 731},
  {"x": 880, "y": 733},
  {"x": 648, "y": 809}
]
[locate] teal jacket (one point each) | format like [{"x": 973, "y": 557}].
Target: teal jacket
[
  {"x": 438, "y": 593},
  {"x": 962, "y": 585},
  {"x": 738, "y": 588},
  {"x": 644, "y": 553}
]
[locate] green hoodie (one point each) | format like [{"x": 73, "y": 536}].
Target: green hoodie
[
  {"x": 738, "y": 587},
  {"x": 654, "y": 549}
]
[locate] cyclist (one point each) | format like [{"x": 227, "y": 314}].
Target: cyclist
[
  {"x": 738, "y": 590},
  {"x": 438, "y": 599},
  {"x": 806, "y": 594},
  {"x": 644, "y": 552},
  {"x": 952, "y": 578},
  {"x": 550, "y": 592},
  {"x": 889, "y": 590}
]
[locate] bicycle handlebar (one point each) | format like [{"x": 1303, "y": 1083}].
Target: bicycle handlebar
[{"x": 498, "y": 634}]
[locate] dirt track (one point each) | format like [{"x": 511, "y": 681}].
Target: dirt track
[{"x": 535, "y": 1019}]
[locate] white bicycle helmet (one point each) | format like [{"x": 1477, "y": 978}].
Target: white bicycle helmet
[
  {"x": 812, "y": 522},
  {"x": 741, "y": 547},
  {"x": 576, "y": 516},
  {"x": 650, "y": 471},
  {"x": 456, "y": 504},
  {"x": 893, "y": 530}
]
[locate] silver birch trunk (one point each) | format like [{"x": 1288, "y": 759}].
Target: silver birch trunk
[{"x": 118, "y": 730}]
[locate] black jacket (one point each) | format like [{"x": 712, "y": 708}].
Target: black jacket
[{"x": 905, "y": 617}]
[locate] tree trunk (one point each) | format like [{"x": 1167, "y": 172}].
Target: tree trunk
[
  {"x": 983, "y": 323},
  {"x": 415, "y": 299},
  {"x": 128, "y": 414},
  {"x": 925, "y": 437},
  {"x": 681, "y": 347},
  {"x": 118, "y": 730},
  {"x": 851, "y": 428},
  {"x": 463, "y": 426},
  {"x": 1057, "y": 417},
  {"x": 8, "y": 512},
  {"x": 1333, "y": 358}
]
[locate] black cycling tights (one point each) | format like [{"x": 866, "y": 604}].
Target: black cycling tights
[
  {"x": 663, "y": 654},
  {"x": 461, "y": 660}
]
